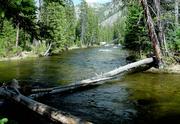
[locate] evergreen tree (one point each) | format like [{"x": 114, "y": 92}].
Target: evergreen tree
[
  {"x": 136, "y": 36},
  {"x": 70, "y": 17},
  {"x": 22, "y": 13},
  {"x": 83, "y": 21},
  {"x": 7, "y": 38},
  {"x": 88, "y": 25},
  {"x": 60, "y": 18},
  {"x": 92, "y": 28}
]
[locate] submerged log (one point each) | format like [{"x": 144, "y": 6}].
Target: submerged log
[
  {"x": 42, "y": 109},
  {"x": 92, "y": 81}
]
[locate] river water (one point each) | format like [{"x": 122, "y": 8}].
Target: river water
[{"x": 138, "y": 98}]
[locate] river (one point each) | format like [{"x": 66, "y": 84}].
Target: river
[{"x": 138, "y": 98}]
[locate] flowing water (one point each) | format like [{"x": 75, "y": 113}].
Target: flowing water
[{"x": 138, "y": 98}]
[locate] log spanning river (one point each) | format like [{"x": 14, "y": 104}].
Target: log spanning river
[{"x": 139, "y": 98}]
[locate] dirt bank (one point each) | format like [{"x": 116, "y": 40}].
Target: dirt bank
[
  {"x": 22, "y": 55},
  {"x": 168, "y": 69}
]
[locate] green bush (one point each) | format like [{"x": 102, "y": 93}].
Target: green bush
[
  {"x": 177, "y": 40},
  {"x": 3, "y": 121},
  {"x": 40, "y": 49}
]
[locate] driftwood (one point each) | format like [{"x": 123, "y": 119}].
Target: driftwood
[
  {"x": 92, "y": 81},
  {"x": 12, "y": 94},
  {"x": 47, "y": 51}
]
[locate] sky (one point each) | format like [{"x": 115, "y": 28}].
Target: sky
[{"x": 91, "y": 1}]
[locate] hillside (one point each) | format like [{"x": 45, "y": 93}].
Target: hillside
[
  {"x": 113, "y": 11},
  {"x": 108, "y": 13}
]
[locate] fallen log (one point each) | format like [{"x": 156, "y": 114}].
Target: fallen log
[
  {"x": 51, "y": 113},
  {"x": 92, "y": 81}
]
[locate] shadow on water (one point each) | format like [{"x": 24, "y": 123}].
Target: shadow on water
[
  {"x": 156, "y": 97},
  {"x": 103, "y": 104},
  {"x": 140, "y": 98},
  {"x": 21, "y": 115}
]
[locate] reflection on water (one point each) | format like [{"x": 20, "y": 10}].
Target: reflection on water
[{"x": 139, "y": 98}]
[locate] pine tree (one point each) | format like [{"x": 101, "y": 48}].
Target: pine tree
[
  {"x": 60, "y": 18},
  {"x": 7, "y": 38},
  {"x": 83, "y": 21},
  {"x": 136, "y": 36},
  {"x": 22, "y": 13},
  {"x": 92, "y": 27},
  {"x": 89, "y": 27},
  {"x": 70, "y": 17}
]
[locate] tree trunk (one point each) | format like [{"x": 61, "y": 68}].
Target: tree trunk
[
  {"x": 152, "y": 33},
  {"x": 82, "y": 31},
  {"x": 92, "y": 81},
  {"x": 161, "y": 34},
  {"x": 39, "y": 13},
  {"x": 165, "y": 45},
  {"x": 1, "y": 24},
  {"x": 36, "y": 42},
  {"x": 17, "y": 35},
  {"x": 176, "y": 12},
  {"x": 42, "y": 109}
]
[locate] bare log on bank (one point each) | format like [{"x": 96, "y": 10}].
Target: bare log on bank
[
  {"x": 51, "y": 113},
  {"x": 92, "y": 81},
  {"x": 47, "y": 51}
]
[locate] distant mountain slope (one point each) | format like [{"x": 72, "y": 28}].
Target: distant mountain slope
[
  {"x": 112, "y": 13},
  {"x": 111, "y": 20},
  {"x": 108, "y": 13}
]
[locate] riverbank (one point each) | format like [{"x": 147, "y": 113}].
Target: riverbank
[
  {"x": 175, "y": 68},
  {"x": 83, "y": 47},
  {"x": 31, "y": 54},
  {"x": 21, "y": 55}
]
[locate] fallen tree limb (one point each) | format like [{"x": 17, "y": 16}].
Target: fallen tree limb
[
  {"x": 42, "y": 109},
  {"x": 91, "y": 81},
  {"x": 47, "y": 51}
]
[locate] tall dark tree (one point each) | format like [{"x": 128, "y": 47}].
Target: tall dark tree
[
  {"x": 161, "y": 34},
  {"x": 152, "y": 33}
]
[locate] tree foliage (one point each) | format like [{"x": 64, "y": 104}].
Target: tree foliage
[
  {"x": 59, "y": 27},
  {"x": 136, "y": 36},
  {"x": 87, "y": 29},
  {"x": 22, "y": 12},
  {"x": 60, "y": 18}
]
